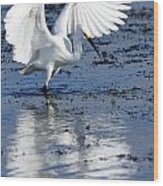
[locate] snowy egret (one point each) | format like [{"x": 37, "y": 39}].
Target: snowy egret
[{"x": 39, "y": 49}]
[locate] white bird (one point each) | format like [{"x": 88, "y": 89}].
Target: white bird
[{"x": 38, "y": 49}]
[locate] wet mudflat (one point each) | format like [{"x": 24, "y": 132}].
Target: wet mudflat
[{"x": 97, "y": 120}]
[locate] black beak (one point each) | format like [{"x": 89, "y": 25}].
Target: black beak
[{"x": 92, "y": 44}]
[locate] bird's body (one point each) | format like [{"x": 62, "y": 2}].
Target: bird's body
[
  {"x": 38, "y": 49},
  {"x": 55, "y": 55}
]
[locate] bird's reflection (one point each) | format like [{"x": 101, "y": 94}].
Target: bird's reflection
[{"x": 53, "y": 140}]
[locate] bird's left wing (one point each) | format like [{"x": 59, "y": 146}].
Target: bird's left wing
[
  {"x": 93, "y": 18},
  {"x": 26, "y": 30}
]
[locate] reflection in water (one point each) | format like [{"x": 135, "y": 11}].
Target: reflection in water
[
  {"x": 51, "y": 142},
  {"x": 22, "y": 155}
]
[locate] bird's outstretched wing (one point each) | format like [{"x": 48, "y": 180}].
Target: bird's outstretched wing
[
  {"x": 94, "y": 19},
  {"x": 26, "y": 30}
]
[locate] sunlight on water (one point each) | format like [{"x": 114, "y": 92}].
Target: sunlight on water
[{"x": 76, "y": 144}]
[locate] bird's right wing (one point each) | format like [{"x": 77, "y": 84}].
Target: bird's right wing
[
  {"x": 93, "y": 18},
  {"x": 26, "y": 30}
]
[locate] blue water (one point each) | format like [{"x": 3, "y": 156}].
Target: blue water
[{"x": 97, "y": 122}]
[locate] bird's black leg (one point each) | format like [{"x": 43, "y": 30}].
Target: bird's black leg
[{"x": 48, "y": 77}]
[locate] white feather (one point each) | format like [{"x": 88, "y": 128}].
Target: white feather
[
  {"x": 96, "y": 18},
  {"x": 26, "y": 30},
  {"x": 33, "y": 44}
]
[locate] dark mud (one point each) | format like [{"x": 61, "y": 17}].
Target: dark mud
[{"x": 97, "y": 120}]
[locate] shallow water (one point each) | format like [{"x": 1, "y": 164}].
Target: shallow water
[{"x": 96, "y": 122}]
